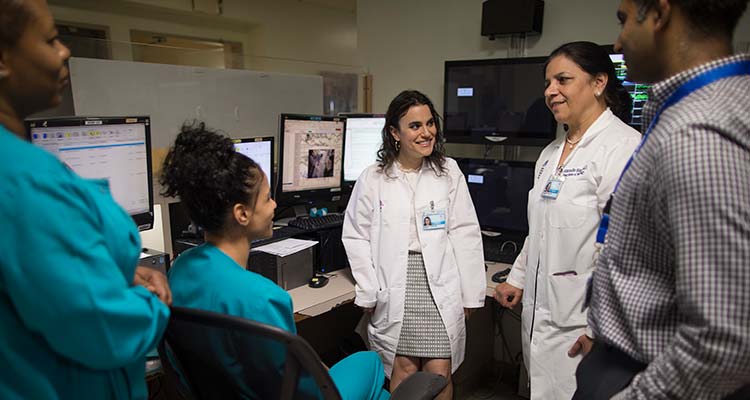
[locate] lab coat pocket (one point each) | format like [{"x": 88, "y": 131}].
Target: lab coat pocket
[
  {"x": 566, "y": 294},
  {"x": 380, "y": 314},
  {"x": 396, "y": 304},
  {"x": 567, "y": 215}
]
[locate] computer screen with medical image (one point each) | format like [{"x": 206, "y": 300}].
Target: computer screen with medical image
[
  {"x": 363, "y": 139},
  {"x": 312, "y": 153},
  {"x": 115, "y": 149}
]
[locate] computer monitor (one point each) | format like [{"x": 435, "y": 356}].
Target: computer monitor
[
  {"x": 260, "y": 150},
  {"x": 638, "y": 91},
  {"x": 364, "y": 135},
  {"x": 114, "y": 148},
  {"x": 497, "y": 101},
  {"x": 500, "y": 192},
  {"x": 311, "y": 159}
]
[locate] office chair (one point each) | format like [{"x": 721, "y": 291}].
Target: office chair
[{"x": 216, "y": 356}]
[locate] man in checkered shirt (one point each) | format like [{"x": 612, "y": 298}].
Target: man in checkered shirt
[{"x": 670, "y": 299}]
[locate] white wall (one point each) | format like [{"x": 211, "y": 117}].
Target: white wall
[
  {"x": 276, "y": 35},
  {"x": 404, "y": 44}
]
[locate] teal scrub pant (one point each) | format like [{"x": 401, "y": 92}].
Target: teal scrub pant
[{"x": 360, "y": 377}]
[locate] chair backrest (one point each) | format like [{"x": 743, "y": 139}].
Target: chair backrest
[{"x": 225, "y": 357}]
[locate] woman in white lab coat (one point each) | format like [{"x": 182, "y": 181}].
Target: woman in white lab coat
[
  {"x": 574, "y": 177},
  {"x": 417, "y": 280}
]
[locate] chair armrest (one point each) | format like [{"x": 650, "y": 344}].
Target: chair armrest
[{"x": 420, "y": 386}]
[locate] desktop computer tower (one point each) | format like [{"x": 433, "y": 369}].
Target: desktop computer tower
[
  {"x": 289, "y": 272},
  {"x": 154, "y": 259}
]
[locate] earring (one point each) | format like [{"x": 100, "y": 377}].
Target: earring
[
  {"x": 597, "y": 94},
  {"x": 398, "y": 145}
]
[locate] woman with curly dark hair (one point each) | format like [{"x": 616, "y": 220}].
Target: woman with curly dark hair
[
  {"x": 227, "y": 194},
  {"x": 417, "y": 280}
]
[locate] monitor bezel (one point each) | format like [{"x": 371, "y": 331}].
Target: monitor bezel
[
  {"x": 144, "y": 220},
  {"x": 513, "y": 163},
  {"x": 452, "y": 136},
  {"x": 307, "y": 196},
  {"x": 348, "y": 183},
  {"x": 271, "y": 177}
]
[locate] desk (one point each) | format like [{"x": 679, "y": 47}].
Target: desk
[{"x": 311, "y": 302}]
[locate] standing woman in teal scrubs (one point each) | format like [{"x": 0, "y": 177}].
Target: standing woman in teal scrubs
[
  {"x": 75, "y": 319},
  {"x": 227, "y": 194}
]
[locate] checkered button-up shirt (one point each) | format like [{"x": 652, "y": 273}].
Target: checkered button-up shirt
[{"x": 672, "y": 285}]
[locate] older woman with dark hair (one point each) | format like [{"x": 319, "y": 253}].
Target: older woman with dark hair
[
  {"x": 417, "y": 280},
  {"x": 76, "y": 319},
  {"x": 574, "y": 177}
]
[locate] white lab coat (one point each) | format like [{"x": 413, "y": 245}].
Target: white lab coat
[
  {"x": 558, "y": 255},
  {"x": 376, "y": 238}
]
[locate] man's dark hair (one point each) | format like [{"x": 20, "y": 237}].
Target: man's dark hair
[{"x": 708, "y": 17}]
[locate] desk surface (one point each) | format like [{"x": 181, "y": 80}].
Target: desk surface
[{"x": 310, "y": 302}]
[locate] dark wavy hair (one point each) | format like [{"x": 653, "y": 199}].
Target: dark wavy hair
[
  {"x": 396, "y": 110},
  {"x": 706, "y": 17},
  {"x": 14, "y": 18},
  {"x": 593, "y": 59},
  {"x": 209, "y": 176}
]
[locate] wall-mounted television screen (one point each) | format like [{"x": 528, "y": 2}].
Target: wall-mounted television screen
[{"x": 497, "y": 101}]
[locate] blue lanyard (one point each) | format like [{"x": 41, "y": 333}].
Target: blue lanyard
[{"x": 706, "y": 78}]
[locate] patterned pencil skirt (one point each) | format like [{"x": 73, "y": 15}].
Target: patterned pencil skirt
[{"x": 423, "y": 333}]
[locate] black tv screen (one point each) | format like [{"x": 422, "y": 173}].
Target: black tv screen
[{"x": 497, "y": 101}]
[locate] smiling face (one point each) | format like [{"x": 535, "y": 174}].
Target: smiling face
[
  {"x": 34, "y": 71},
  {"x": 260, "y": 222},
  {"x": 571, "y": 93},
  {"x": 416, "y": 132}
]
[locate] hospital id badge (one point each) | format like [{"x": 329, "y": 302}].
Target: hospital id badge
[
  {"x": 433, "y": 219},
  {"x": 553, "y": 187}
]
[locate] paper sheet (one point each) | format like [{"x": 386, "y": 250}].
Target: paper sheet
[{"x": 286, "y": 247}]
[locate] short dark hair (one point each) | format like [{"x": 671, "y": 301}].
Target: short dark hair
[
  {"x": 398, "y": 108},
  {"x": 14, "y": 18},
  {"x": 593, "y": 59},
  {"x": 706, "y": 17},
  {"x": 209, "y": 175}
]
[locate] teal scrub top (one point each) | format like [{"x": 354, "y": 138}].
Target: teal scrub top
[
  {"x": 208, "y": 279},
  {"x": 73, "y": 326}
]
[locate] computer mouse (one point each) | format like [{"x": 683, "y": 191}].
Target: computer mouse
[
  {"x": 317, "y": 281},
  {"x": 500, "y": 276}
]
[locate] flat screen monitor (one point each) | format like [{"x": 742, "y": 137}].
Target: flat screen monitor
[
  {"x": 500, "y": 192},
  {"x": 311, "y": 158},
  {"x": 117, "y": 149},
  {"x": 362, "y": 142},
  {"x": 638, "y": 91},
  {"x": 260, "y": 150},
  {"x": 497, "y": 101}
]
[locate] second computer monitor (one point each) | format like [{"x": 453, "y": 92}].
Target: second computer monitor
[
  {"x": 311, "y": 158},
  {"x": 364, "y": 135},
  {"x": 260, "y": 150},
  {"x": 117, "y": 149},
  {"x": 500, "y": 192}
]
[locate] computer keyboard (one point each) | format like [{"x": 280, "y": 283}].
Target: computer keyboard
[{"x": 314, "y": 223}]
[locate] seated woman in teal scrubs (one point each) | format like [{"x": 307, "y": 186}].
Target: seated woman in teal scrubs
[
  {"x": 74, "y": 321},
  {"x": 227, "y": 194}
]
